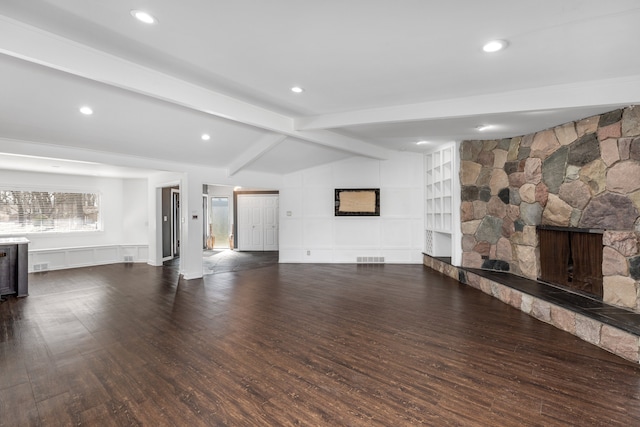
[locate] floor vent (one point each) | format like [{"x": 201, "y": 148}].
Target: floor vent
[
  {"x": 128, "y": 258},
  {"x": 370, "y": 260},
  {"x": 41, "y": 267}
]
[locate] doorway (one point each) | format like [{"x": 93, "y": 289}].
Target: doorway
[
  {"x": 175, "y": 223},
  {"x": 219, "y": 217},
  {"x": 170, "y": 220},
  {"x": 220, "y": 227},
  {"x": 206, "y": 232}
]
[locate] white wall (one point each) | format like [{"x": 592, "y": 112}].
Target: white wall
[
  {"x": 135, "y": 211},
  {"x": 308, "y": 224},
  {"x": 124, "y": 214},
  {"x": 128, "y": 226},
  {"x": 131, "y": 213},
  {"x": 120, "y": 225}
]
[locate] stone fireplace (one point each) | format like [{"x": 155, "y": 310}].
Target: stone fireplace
[{"x": 583, "y": 175}]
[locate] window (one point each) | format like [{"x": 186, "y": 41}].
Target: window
[{"x": 48, "y": 212}]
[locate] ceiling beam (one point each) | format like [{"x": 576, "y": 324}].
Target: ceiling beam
[
  {"x": 32, "y": 44},
  {"x": 618, "y": 91},
  {"x": 253, "y": 153}
]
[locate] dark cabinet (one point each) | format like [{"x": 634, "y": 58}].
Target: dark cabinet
[{"x": 14, "y": 257}]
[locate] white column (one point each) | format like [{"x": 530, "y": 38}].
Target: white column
[{"x": 191, "y": 213}]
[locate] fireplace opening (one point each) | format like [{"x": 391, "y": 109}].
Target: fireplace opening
[{"x": 572, "y": 257}]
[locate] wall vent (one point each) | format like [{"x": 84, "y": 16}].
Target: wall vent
[
  {"x": 43, "y": 266},
  {"x": 370, "y": 260},
  {"x": 128, "y": 258},
  {"x": 428, "y": 242}
]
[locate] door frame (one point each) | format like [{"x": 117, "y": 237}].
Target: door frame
[
  {"x": 165, "y": 227},
  {"x": 205, "y": 220},
  {"x": 175, "y": 223}
]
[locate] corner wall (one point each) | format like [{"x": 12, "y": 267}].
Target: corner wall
[{"x": 582, "y": 174}]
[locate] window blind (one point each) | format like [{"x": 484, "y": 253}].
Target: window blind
[{"x": 48, "y": 212}]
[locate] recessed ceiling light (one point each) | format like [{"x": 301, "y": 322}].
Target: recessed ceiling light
[
  {"x": 495, "y": 46},
  {"x": 484, "y": 127},
  {"x": 143, "y": 16},
  {"x": 87, "y": 111},
  {"x": 422, "y": 142},
  {"x": 297, "y": 89},
  {"x": 206, "y": 137}
]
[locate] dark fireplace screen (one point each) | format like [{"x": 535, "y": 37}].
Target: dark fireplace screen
[{"x": 572, "y": 258}]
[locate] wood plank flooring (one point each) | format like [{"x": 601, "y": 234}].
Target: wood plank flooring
[{"x": 285, "y": 345}]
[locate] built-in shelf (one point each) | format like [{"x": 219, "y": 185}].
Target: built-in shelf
[{"x": 439, "y": 171}]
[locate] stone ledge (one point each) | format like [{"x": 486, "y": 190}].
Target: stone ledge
[{"x": 607, "y": 327}]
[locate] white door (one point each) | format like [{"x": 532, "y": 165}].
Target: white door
[
  {"x": 250, "y": 223},
  {"x": 257, "y": 222},
  {"x": 270, "y": 211}
]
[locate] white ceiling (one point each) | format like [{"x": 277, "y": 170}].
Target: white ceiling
[{"x": 379, "y": 75}]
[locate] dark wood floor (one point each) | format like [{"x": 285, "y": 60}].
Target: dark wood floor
[{"x": 304, "y": 345}]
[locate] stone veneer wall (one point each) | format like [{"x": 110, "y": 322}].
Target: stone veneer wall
[{"x": 582, "y": 174}]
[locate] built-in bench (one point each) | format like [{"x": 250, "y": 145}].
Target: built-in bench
[
  {"x": 41, "y": 260},
  {"x": 612, "y": 328}
]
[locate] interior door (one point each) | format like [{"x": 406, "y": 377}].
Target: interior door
[
  {"x": 257, "y": 222},
  {"x": 270, "y": 216},
  {"x": 250, "y": 224}
]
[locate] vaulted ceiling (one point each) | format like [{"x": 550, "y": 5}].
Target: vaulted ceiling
[{"x": 378, "y": 76}]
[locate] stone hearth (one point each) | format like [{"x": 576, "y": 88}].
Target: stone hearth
[{"x": 614, "y": 329}]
